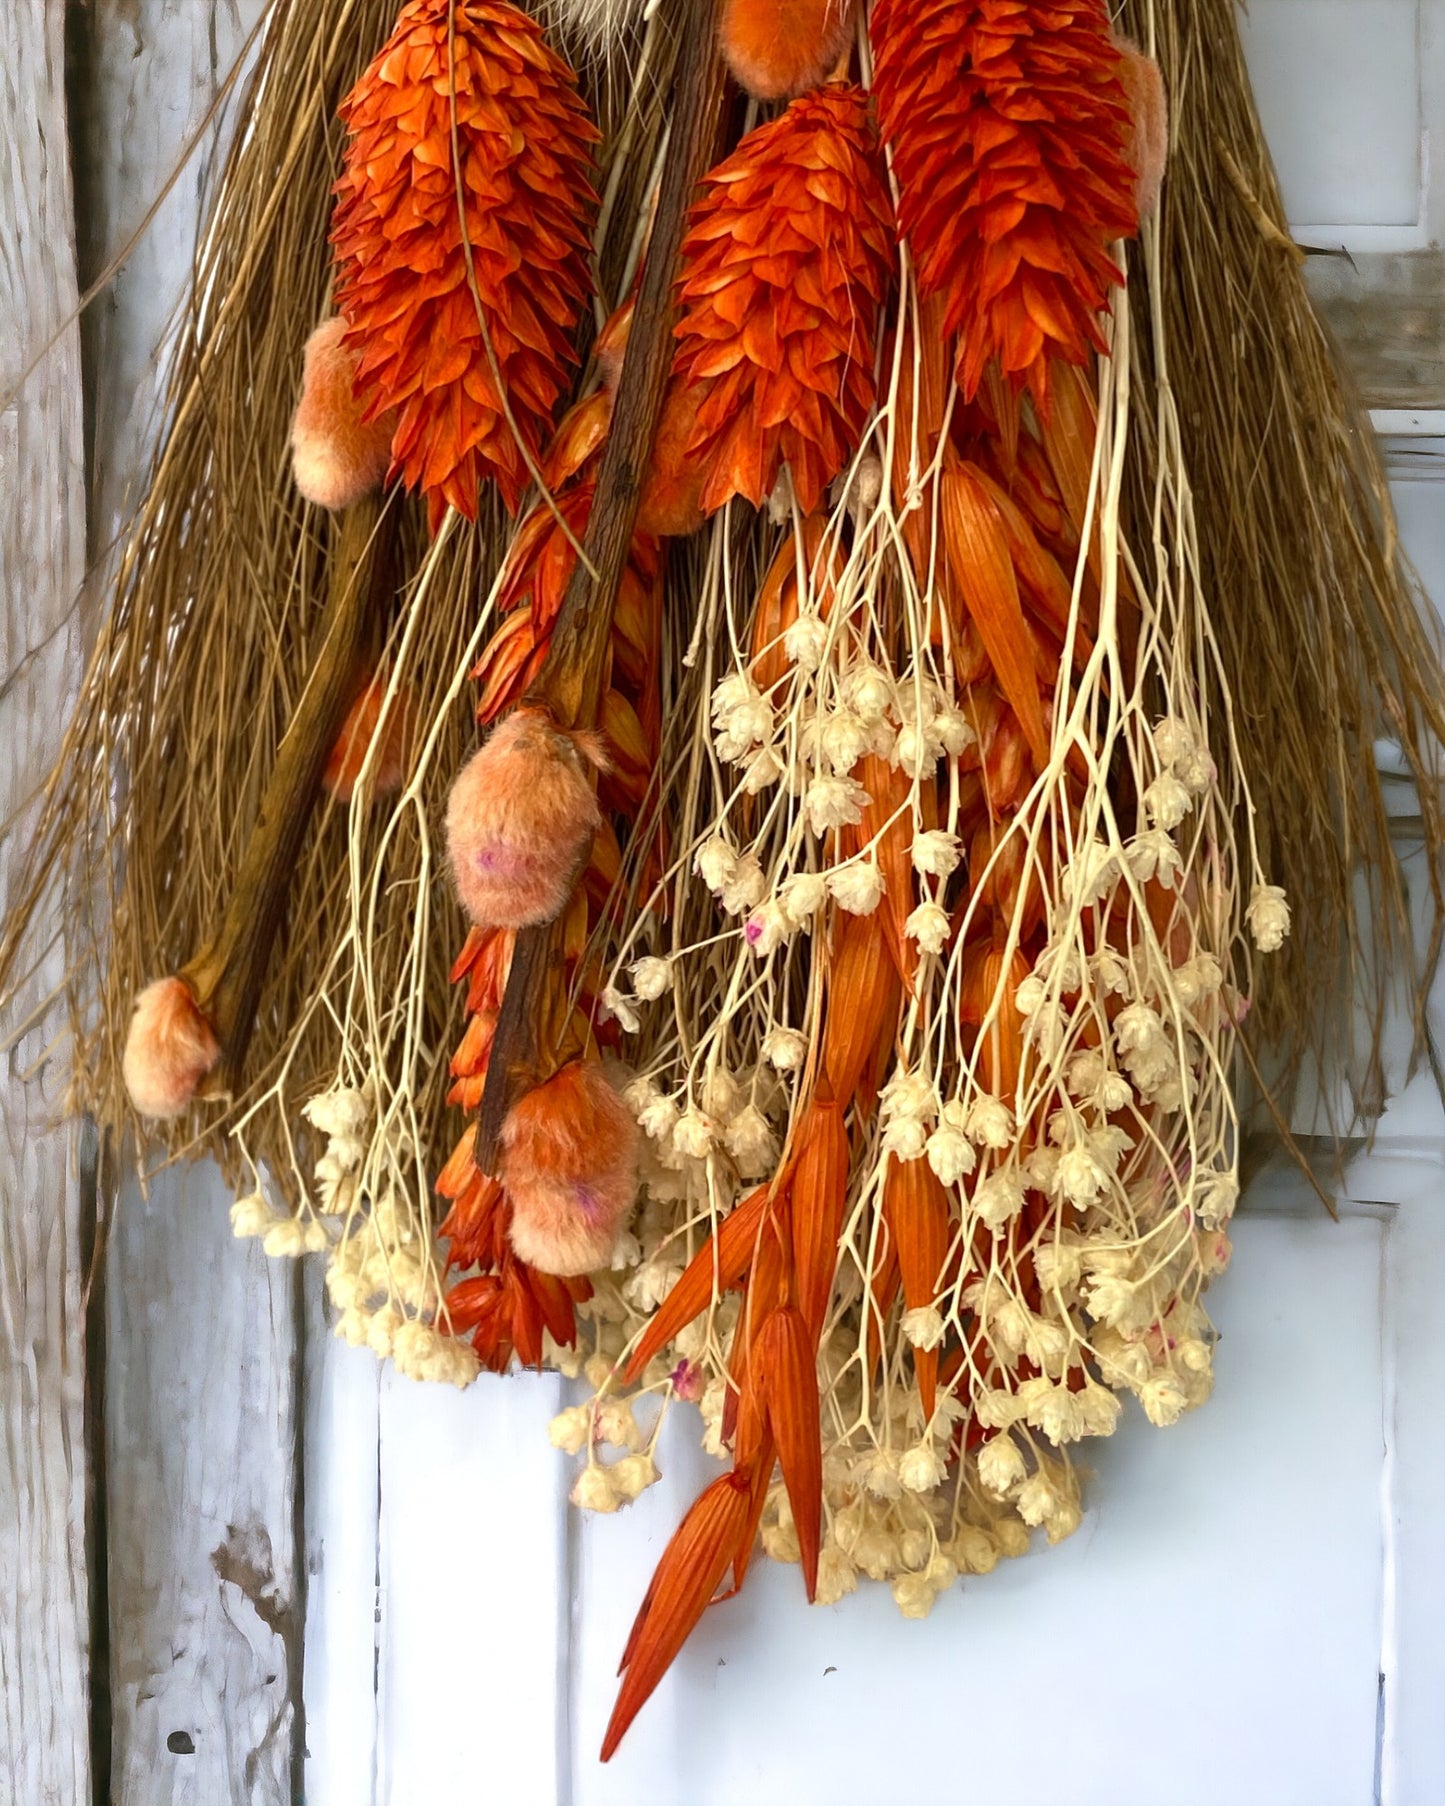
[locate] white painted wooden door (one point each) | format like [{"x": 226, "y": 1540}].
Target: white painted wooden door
[{"x": 322, "y": 1582}]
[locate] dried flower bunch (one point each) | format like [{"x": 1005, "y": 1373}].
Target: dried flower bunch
[{"x": 854, "y": 892}]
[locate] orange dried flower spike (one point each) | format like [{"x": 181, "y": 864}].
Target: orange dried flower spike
[
  {"x": 785, "y": 265},
  {"x": 1010, "y": 133},
  {"x": 422, "y": 337}
]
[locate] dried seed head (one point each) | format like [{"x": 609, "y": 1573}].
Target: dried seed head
[
  {"x": 569, "y": 1165},
  {"x": 170, "y": 1048},
  {"x": 521, "y": 820},
  {"x": 337, "y": 455}
]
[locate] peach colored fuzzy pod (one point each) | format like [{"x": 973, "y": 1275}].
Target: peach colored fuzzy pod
[
  {"x": 780, "y": 48},
  {"x": 569, "y": 1164},
  {"x": 521, "y": 820},
  {"x": 169, "y": 1049},
  {"x": 336, "y": 456},
  {"x": 1148, "y": 149}
]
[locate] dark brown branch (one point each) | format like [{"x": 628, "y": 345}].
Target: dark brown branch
[
  {"x": 227, "y": 975},
  {"x": 571, "y": 683}
]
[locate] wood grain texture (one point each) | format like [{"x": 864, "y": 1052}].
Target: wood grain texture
[
  {"x": 1387, "y": 312},
  {"x": 202, "y": 1341},
  {"x": 44, "y": 1615},
  {"x": 205, "y": 1599}
]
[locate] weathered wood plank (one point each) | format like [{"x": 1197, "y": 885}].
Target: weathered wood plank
[
  {"x": 1388, "y": 313},
  {"x": 203, "y": 1374},
  {"x": 44, "y": 1618},
  {"x": 205, "y": 1609}
]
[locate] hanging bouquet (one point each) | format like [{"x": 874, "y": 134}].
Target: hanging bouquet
[{"x": 851, "y": 883}]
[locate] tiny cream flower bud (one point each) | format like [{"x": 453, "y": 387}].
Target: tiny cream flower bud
[
  {"x": 716, "y": 863},
  {"x": 632, "y": 1475},
  {"x": 803, "y": 896},
  {"x": 921, "y": 1469},
  {"x": 909, "y": 1094},
  {"x": 936, "y": 854},
  {"x": 990, "y": 1123},
  {"x": 1154, "y": 855},
  {"x": 651, "y": 978},
  {"x": 751, "y": 1142},
  {"x": 1167, "y": 802},
  {"x": 1268, "y": 917},
  {"x": 568, "y": 1430},
  {"x": 856, "y": 888},
  {"x": 869, "y": 691},
  {"x": 929, "y": 926},
  {"x": 285, "y": 1239},
  {"x": 746, "y": 887},
  {"x": 1197, "y": 772},
  {"x": 923, "y": 1327},
  {"x": 251, "y": 1216},
  {"x": 834, "y": 802},
  {"x": 1000, "y": 1466},
  {"x": 950, "y": 1154},
  {"x": 762, "y": 771},
  {"x": 769, "y": 927},
  {"x": 1173, "y": 739},
  {"x": 953, "y": 729},
  {"x": 843, "y": 739},
  {"x": 694, "y": 1135},
  {"x": 905, "y": 1138},
  {"x": 594, "y": 1490},
  {"x": 658, "y": 1119},
  {"x": 1164, "y": 1400},
  {"x": 999, "y": 1199},
  {"x": 785, "y": 1049},
  {"x": 837, "y": 1577},
  {"x": 806, "y": 641}
]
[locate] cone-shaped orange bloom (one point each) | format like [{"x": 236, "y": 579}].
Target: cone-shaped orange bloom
[
  {"x": 785, "y": 264},
  {"x": 1009, "y": 128},
  {"x": 525, "y": 144}
]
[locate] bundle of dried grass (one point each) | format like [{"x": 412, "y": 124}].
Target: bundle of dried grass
[
  {"x": 218, "y": 628},
  {"x": 1323, "y": 639}
]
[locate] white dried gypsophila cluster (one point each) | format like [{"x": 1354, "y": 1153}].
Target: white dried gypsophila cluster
[
  {"x": 344, "y": 1115},
  {"x": 729, "y": 1116}
]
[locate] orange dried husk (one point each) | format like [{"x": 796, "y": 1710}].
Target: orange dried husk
[
  {"x": 425, "y": 341},
  {"x": 690, "y": 1572},
  {"x": 863, "y": 1001},
  {"x": 915, "y": 1210}
]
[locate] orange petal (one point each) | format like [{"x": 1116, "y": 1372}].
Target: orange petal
[
  {"x": 819, "y": 1193},
  {"x": 718, "y": 1264},
  {"x": 688, "y": 1575},
  {"x": 915, "y": 1208},
  {"x": 978, "y": 556},
  {"x": 784, "y": 1355}
]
